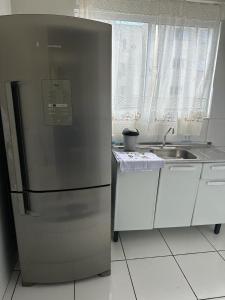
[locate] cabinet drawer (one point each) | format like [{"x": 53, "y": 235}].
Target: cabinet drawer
[
  {"x": 213, "y": 171},
  {"x": 210, "y": 203}
]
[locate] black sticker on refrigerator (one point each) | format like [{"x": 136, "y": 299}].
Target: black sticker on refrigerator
[{"x": 57, "y": 102}]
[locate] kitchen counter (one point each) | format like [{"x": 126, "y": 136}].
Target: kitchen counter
[{"x": 204, "y": 153}]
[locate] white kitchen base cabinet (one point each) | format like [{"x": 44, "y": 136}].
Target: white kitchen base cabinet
[
  {"x": 210, "y": 203},
  {"x": 177, "y": 192},
  {"x": 135, "y": 198},
  {"x": 180, "y": 194}
]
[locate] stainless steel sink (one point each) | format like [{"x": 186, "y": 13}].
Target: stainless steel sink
[{"x": 173, "y": 153}]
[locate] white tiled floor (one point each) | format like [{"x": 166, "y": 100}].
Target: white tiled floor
[
  {"x": 186, "y": 240},
  {"x": 218, "y": 241},
  {"x": 171, "y": 264},
  {"x": 159, "y": 278},
  {"x": 117, "y": 251},
  {"x": 117, "y": 286},
  {"x": 205, "y": 272},
  {"x": 222, "y": 253},
  {"x": 44, "y": 292},
  {"x": 139, "y": 244},
  {"x": 11, "y": 286}
]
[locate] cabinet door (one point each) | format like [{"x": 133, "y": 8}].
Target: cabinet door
[
  {"x": 135, "y": 200},
  {"x": 210, "y": 203},
  {"x": 176, "y": 196}
]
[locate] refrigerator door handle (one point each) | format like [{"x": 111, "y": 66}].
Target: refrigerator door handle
[
  {"x": 22, "y": 198},
  {"x": 10, "y": 136},
  {"x": 15, "y": 143},
  {"x": 15, "y": 89}
]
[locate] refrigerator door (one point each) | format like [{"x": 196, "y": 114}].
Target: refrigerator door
[
  {"x": 67, "y": 236},
  {"x": 59, "y": 71}
]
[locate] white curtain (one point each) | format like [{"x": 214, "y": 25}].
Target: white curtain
[{"x": 163, "y": 63}]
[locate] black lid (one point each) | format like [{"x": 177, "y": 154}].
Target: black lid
[{"x": 130, "y": 132}]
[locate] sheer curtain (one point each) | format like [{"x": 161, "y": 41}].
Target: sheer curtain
[{"x": 163, "y": 63}]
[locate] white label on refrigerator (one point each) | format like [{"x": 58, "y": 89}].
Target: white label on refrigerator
[{"x": 57, "y": 102}]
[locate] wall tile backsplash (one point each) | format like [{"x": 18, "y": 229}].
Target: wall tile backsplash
[{"x": 216, "y": 132}]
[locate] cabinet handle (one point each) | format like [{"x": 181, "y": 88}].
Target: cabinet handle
[
  {"x": 186, "y": 168},
  {"x": 219, "y": 168},
  {"x": 215, "y": 183}
]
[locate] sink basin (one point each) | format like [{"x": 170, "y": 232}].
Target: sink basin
[{"x": 173, "y": 153}]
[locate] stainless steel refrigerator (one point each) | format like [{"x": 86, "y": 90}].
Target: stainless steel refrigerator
[{"x": 55, "y": 93}]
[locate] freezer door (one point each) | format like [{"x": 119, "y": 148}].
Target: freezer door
[
  {"x": 60, "y": 75},
  {"x": 66, "y": 237}
]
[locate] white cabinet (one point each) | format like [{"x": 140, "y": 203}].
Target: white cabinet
[
  {"x": 177, "y": 191},
  {"x": 210, "y": 202},
  {"x": 135, "y": 197},
  {"x": 183, "y": 194}
]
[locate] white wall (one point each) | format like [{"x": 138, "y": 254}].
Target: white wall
[
  {"x": 58, "y": 7},
  {"x": 5, "y": 7},
  {"x": 216, "y": 128}
]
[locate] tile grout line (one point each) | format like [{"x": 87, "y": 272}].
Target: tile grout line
[
  {"x": 206, "y": 238},
  {"x": 147, "y": 257},
  {"x": 128, "y": 268},
  {"x": 8, "y": 283},
  {"x": 113, "y": 260},
  {"x": 185, "y": 277},
  {"x": 211, "y": 244},
  {"x": 220, "y": 297},
  {"x": 215, "y": 251},
  {"x": 178, "y": 265},
  {"x": 221, "y": 254},
  {"x": 192, "y": 253},
  {"x": 17, "y": 280},
  {"x": 168, "y": 255}
]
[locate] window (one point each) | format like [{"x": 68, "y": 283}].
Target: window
[{"x": 162, "y": 76}]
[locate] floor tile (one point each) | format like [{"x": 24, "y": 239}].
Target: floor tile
[
  {"x": 115, "y": 287},
  {"x": 222, "y": 253},
  {"x": 117, "y": 251},
  {"x": 159, "y": 278},
  {"x": 205, "y": 272},
  {"x": 139, "y": 244},
  {"x": 11, "y": 286},
  {"x": 186, "y": 240},
  {"x": 44, "y": 292},
  {"x": 217, "y": 240}
]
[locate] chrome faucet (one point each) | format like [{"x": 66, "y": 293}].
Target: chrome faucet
[{"x": 165, "y": 135}]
